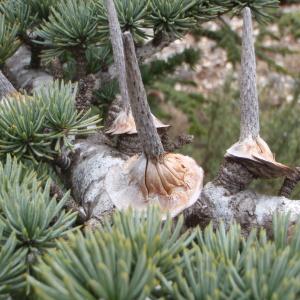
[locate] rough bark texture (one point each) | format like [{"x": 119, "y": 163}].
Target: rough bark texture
[
  {"x": 35, "y": 61},
  {"x": 5, "y": 86},
  {"x": 118, "y": 51},
  {"x": 91, "y": 162},
  {"x": 249, "y": 99},
  {"x": 290, "y": 183},
  {"x": 246, "y": 207},
  {"x": 147, "y": 132},
  {"x": 85, "y": 92},
  {"x": 81, "y": 63},
  {"x": 57, "y": 70},
  {"x": 233, "y": 176}
]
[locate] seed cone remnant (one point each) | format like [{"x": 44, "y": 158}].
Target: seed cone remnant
[
  {"x": 173, "y": 181},
  {"x": 252, "y": 151},
  {"x": 124, "y": 124}
]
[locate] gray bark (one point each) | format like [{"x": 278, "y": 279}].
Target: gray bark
[
  {"x": 118, "y": 51},
  {"x": 92, "y": 161},
  {"x": 25, "y": 78},
  {"x": 6, "y": 87},
  {"x": 247, "y": 208},
  {"x": 215, "y": 204},
  {"x": 147, "y": 132},
  {"x": 249, "y": 99}
]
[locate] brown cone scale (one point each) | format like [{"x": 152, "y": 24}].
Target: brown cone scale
[{"x": 256, "y": 156}]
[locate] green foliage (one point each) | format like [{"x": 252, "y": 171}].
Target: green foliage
[
  {"x": 290, "y": 23},
  {"x": 139, "y": 258},
  {"x": 206, "y": 10},
  {"x": 100, "y": 266},
  {"x": 261, "y": 9},
  {"x": 8, "y": 41},
  {"x": 18, "y": 12},
  {"x": 30, "y": 220},
  {"x": 189, "y": 103},
  {"x": 98, "y": 58},
  {"x": 123, "y": 261},
  {"x": 14, "y": 174},
  {"x": 162, "y": 241},
  {"x": 41, "y": 9},
  {"x": 223, "y": 265},
  {"x": 12, "y": 265},
  {"x": 21, "y": 128},
  {"x": 132, "y": 15},
  {"x": 37, "y": 127},
  {"x": 77, "y": 26},
  {"x": 72, "y": 24},
  {"x": 27, "y": 210},
  {"x": 35, "y": 217},
  {"x": 26, "y": 13},
  {"x": 230, "y": 41},
  {"x": 61, "y": 116},
  {"x": 170, "y": 16}
]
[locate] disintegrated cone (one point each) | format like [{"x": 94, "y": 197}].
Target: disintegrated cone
[
  {"x": 257, "y": 157},
  {"x": 124, "y": 124},
  {"x": 174, "y": 183}
]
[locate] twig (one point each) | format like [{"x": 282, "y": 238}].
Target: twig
[
  {"x": 147, "y": 132},
  {"x": 118, "y": 52},
  {"x": 249, "y": 98}
]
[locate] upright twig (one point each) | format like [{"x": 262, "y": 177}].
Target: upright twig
[
  {"x": 251, "y": 151},
  {"x": 118, "y": 52},
  {"x": 147, "y": 132},
  {"x": 249, "y": 100}
]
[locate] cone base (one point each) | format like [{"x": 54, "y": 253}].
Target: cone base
[
  {"x": 128, "y": 188},
  {"x": 257, "y": 157}
]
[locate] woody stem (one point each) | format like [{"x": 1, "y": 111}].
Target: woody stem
[
  {"x": 248, "y": 98},
  {"x": 146, "y": 129},
  {"x": 118, "y": 51}
]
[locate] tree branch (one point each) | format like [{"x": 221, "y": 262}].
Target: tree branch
[
  {"x": 215, "y": 204},
  {"x": 25, "y": 78},
  {"x": 247, "y": 208},
  {"x": 6, "y": 87}
]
